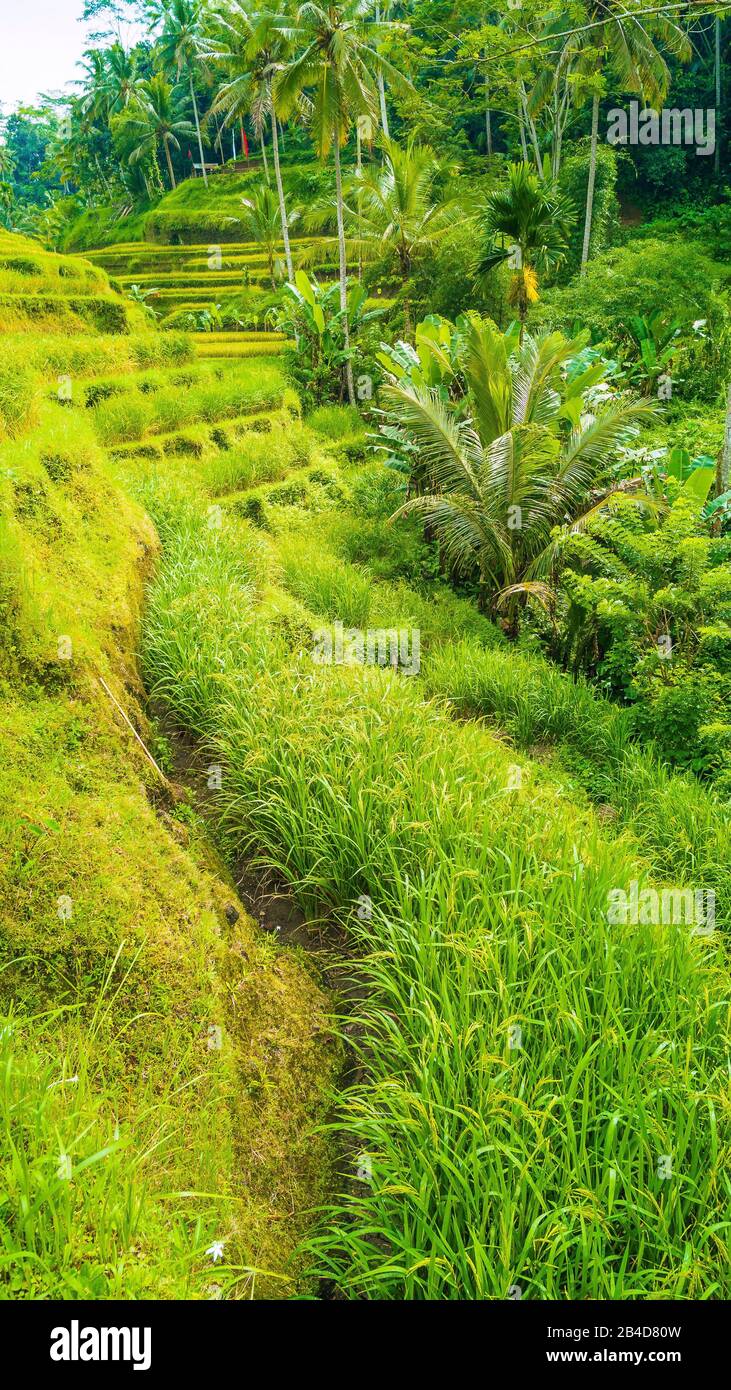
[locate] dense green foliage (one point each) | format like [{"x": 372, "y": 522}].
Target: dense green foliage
[{"x": 365, "y": 569}]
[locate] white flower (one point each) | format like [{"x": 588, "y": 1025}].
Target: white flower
[{"x": 216, "y": 1250}]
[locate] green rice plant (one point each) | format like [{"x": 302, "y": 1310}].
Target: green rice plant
[
  {"x": 18, "y": 398},
  {"x": 235, "y": 352},
  {"x": 581, "y": 1156},
  {"x": 334, "y": 421},
  {"x": 54, "y": 355},
  {"x": 137, "y": 415},
  {"x": 680, "y": 824},
  {"x": 340, "y": 593},
  {"x": 258, "y": 458},
  {"x": 69, "y": 313}
]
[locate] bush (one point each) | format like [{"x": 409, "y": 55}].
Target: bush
[
  {"x": 648, "y": 612},
  {"x": 638, "y": 279},
  {"x": 447, "y": 282}
]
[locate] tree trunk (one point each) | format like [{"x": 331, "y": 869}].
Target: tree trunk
[
  {"x": 198, "y": 130},
  {"x": 343, "y": 266},
  {"x": 170, "y": 163},
  {"x": 555, "y": 138},
  {"x": 103, "y": 177},
  {"x": 531, "y": 131},
  {"x": 723, "y": 467},
  {"x": 488, "y": 113},
  {"x": 264, "y": 154},
  {"x": 219, "y": 141},
  {"x": 717, "y": 65},
  {"x": 590, "y": 184},
  {"x": 523, "y": 144},
  {"x": 382, "y": 88},
  {"x": 408, "y": 325},
  {"x": 359, "y": 167},
  {"x": 280, "y": 191}
]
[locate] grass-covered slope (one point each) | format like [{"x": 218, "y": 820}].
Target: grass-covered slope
[
  {"x": 538, "y": 1096},
  {"x": 542, "y": 1096},
  {"x": 43, "y": 292},
  {"x": 178, "y": 283},
  {"x": 192, "y": 212},
  {"x": 162, "y": 1063}
]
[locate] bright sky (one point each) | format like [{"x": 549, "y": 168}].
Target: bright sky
[{"x": 40, "y": 43}]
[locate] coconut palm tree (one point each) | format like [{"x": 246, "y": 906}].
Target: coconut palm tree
[
  {"x": 381, "y": 10},
  {"x": 523, "y": 459},
  {"x": 159, "y": 122},
  {"x": 401, "y": 212},
  {"x": 334, "y": 55},
  {"x": 7, "y": 199},
  {"x": 179, "y": 47},
  {"x": 255, "y": 44},
  {"x": 526, "y": 223},
  {"x": 122, "y": 79},
  {"x": 94, "y": 95},
  {"x": 244, "y": 92}
]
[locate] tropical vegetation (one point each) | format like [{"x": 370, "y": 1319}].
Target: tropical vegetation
[{"x": 365, "y": 658}]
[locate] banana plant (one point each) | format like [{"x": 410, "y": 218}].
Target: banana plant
[
  {"x": 656, "y": 342},
  {"x": 435, "y": 359},
  {"x": 312, "y": 316}
]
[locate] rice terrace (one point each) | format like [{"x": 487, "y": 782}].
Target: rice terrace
[{"x": 365, "y": 652}]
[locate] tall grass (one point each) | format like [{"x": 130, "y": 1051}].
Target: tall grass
[
  {"x": 539, "y": 1164},
  {"x": 135, "y": 413},
  {"x": 678, "y": 822},
  {"x": 79, "y": 1216}
]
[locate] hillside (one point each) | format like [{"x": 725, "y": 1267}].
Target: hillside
[
  {"x": 157, "y": 1046},
  {"x": 190, "y": 213},
  {"x": 349, "y": 785},
  {"x": 365, "y": 674}
]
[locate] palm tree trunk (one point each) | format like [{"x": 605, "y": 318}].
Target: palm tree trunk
[
  {"x": 170, "y": 163},
  {"x": 264, "y": 154},
  {"x": 382, "y": 88},
  {"x": 103, "y": 177},
  {"x": 590, "y": 184},
  {"x": 531, "y": 131},
  {"x": 488, "y": 114},
  {"x": 280, "y": 191},
  {"x": 408, "y": 325},
  {"x": 723, "y": 466},
  {"x": 198, "y": 130},
  {"x": 343, "y": 266},
  {"x": 523, "y": 144},
  {"x": 555, "y": 138},
  {"x": 359, "y": 167},
  {"x": 717, "y": 66}
]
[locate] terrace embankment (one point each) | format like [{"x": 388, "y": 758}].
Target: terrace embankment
[{"x": 166, "y": 1063}]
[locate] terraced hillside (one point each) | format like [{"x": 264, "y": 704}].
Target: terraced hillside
[
  {"x": 162, "y": 1062},
  {"x": 534, "y": 1095},
  {"x": 179, "y": 282},
  {"x": 540, "y": 1096},
  {"x": 191, "y": 213}
]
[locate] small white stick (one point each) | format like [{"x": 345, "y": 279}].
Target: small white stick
[{"x": 145, "y": 750}]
